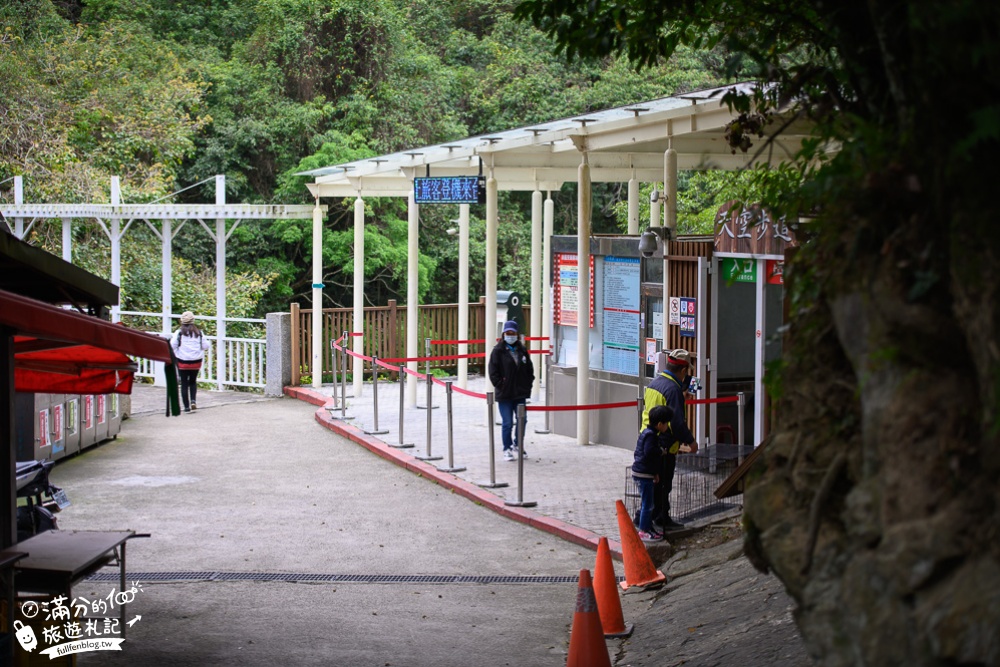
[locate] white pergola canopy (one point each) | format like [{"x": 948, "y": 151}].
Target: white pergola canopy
[
  {"x": 622, "y": 143},
  {"x": 648, "y": 142}
]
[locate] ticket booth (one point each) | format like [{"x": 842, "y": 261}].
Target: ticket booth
[{"x": 719, "y": 297}]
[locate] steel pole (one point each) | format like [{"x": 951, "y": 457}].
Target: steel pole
[
  {"x": 492, "y": 483},
  {"x": 402, "y": 408},
  {"x": 451, "y": 439},
  {"x": 520, "y": 502},
  {"x": 376, "y": 430}
]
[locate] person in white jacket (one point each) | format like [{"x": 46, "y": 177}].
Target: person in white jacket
[{"x": 189, "y": 348}]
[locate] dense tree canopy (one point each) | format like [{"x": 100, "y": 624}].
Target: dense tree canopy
[
  {"x": 877, "y": 502},
  {"x": 167, "y": 95}
]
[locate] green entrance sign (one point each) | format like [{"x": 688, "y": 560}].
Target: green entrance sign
[{"x": 739, "y": 270}]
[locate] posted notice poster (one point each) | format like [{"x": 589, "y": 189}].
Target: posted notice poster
[
  {"x": 621, "y": 315},
  {"x": 566, "y": 297},
  {"x": 688, "y": 315}
]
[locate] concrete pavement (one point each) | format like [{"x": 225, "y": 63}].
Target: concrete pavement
[{"x": 255, "y": 510}]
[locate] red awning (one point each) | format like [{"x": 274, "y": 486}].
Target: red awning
[{"x": 64, "y": 352}]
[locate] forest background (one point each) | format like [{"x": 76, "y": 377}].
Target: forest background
[{"x": 166, "y": 95}]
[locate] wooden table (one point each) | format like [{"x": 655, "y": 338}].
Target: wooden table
[{"x": 57, "y": 559}]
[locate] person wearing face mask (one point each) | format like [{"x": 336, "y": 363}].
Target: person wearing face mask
[
  {"x": 668, "y": 388},
  {"x": 512, "y": 375}
]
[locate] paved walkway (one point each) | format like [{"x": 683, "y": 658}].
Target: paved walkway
[{"x": 575, "y": 487}]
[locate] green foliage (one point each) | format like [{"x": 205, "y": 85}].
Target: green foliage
[{"x": 168, "y": 94}]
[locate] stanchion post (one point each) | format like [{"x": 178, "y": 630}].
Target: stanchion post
[
  {"x": 520, "y": 502},
  {"x": 430, "y": 398},
  {"x": 741, "y": 401},
  {"x": 451, "y": 431},
  {"x": 343, "y": 379},
  {"x": 333, "y": 348},
  {"x": 492, "y": 483},
  {"x": 376, "y": 430},
  {"x": 427, "y": 369},
  {"x": 402, "y": 407},
  {"x": 547, "y": 428},
  {"x": 640, "y": 406}
]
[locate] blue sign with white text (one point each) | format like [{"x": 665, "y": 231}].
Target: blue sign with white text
[{"x": 448, "y": 190}]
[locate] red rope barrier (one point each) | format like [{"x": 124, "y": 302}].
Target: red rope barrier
[
  {"x": 596, "y": 406},
  {"x": 359, "y": 356},
  {"x": 457, "y": 342},
  {"x": 382, "y": 363},
  {"x": 539, "y": 351},
  {"x": 466, "y": 392},
  {"x": 537, "y": 338},
  {"x": 706, "y": 401}
]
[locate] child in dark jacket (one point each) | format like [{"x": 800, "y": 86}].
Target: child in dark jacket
[{"x": 645, "y": 469}]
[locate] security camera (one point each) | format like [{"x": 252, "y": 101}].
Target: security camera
[
  {"x": 648, "y": 244},
  {"x": 654, "y": 196}
]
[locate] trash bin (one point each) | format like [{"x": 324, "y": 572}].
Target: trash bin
[{"x": 509, "y": 308}]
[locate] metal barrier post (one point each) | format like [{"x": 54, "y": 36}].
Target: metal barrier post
[
  {"x": 739, "y": 425},
  {"x": 376, "y": 430},
  {"x": 402, "y": 407},
  {"x": 451, "y": 440},
  {"x": 430, "y": 399},
  {"x": 493, "y": 483},
  {"x": 641, "y": 408},
  {"x": 343, "y": 380},
  {"x": 427, "y": 370},
  {"x": 546, "y": 430},
  {"x": 520, "y": 502},
  {"x": 333, "y": 347}
]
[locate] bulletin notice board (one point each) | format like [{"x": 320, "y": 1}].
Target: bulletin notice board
[{"x": 566, "y": 292}]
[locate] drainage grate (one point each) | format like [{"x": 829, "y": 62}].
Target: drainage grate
[{"x": 298, "y": 577}]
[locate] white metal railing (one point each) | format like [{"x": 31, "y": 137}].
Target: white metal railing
[{"x": 244, "y": 358}]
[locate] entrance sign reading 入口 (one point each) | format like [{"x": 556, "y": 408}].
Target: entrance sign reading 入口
[
  {"x": 449, "y": 190},
  {"x": 621, "y": 317},
  {"x": 736, "y": 270},
  {"x": 688, "y": 316},
  {"x": 566, "y": 292}
]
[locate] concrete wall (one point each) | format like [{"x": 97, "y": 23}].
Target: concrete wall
[{"x": 278, "y": 370}]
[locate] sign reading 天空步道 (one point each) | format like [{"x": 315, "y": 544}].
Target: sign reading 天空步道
[{"x": 449, "y": 190}]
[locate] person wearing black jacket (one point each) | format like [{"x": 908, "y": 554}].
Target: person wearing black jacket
[
  {"x": 512, "y": 375},
  {"x": 647, "y": 465}
]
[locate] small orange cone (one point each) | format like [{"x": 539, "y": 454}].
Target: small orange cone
[
  {"x": 606, "y": 592},
  {"x": 639, "y": 568},
  {"x": 586, "y": 638}
]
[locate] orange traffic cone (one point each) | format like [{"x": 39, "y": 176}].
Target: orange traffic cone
[
  {"x": 586, "y": 638},
  {"x": 639, "y": 568},
  {"x": 606, "y": 592}
]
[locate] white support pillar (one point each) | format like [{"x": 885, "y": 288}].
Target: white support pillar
[
  {"x": 220, "y": 284},
  {"x": 670, "y": 189},
  {"x": 67, "y": 239},
  {"x": 490, "y": 332},
  {"x": 583, "y": 322},
  {"x": 548, "y": 221},
  {"x": 357, "y": 368},
  {"x": 412, "y": 309},
  {"x": 758, "y": 354},
  {"x": 18, "y": 200},
  {"x": 316, "y": 368},
  {"x": 166, "y": 284},
  {"x": 536, "y": 287},
  {"x": 633, "y": 205},
  {"x": 463, "y": 293},
  {"x": 116, "y": 246},
  {"x": 655, "y": 220}
]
